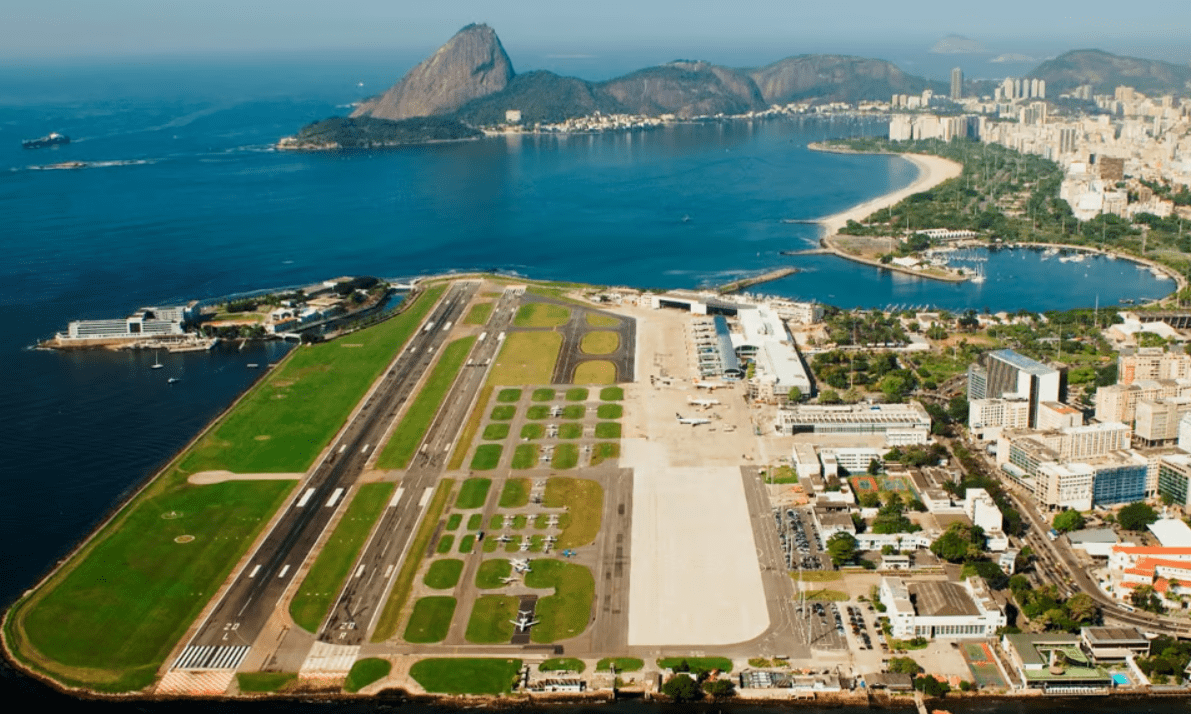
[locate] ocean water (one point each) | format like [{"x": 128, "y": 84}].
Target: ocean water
[{"x": 183, "y": 198}]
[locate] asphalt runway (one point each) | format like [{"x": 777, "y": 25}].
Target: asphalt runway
[
  {"x": 227, "y": 634},
  {"x": 571, "y": 355}
]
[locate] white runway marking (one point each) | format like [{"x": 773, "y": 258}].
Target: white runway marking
[
  {"x": 334, "y": 497},
  {"x": 305, "y": 497},
  {"x": 396, "y": 497}
]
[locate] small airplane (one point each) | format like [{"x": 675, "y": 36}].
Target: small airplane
[
  {"x": 524, "y": 544},
  {"x": 705, "y": 403},
  {"x": 503, "y": 538},
  {"x": 692, "y": 421},
  {"x": 520, "y": 565},
  {"x": 523, "y": 622},
  {"x": 510, "y": 580}
]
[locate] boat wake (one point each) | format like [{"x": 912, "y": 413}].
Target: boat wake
[{"x": 75, "y": 165}]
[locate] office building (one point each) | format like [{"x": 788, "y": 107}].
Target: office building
[
  {"x": 957, "y": 84},
  {"x": 941, "y": 609},
  {"x": 1005, "y": 372},
  {"x": 1157, "y": 421},
  {"x": 1152, "y": 363}
]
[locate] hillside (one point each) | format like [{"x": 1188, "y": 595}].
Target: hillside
[
  {"x": 1106, "y": 71},
  {"x": 369, "y": 133},
  {"x": 541, "y": 97},
  {"x": 836, "y": 78},
  {"x": 686, "y": 88}
]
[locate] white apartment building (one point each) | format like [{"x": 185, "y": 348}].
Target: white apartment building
[
  {"x": 1152, "y": 363},
  {"x": 983, "y": 511},
  {"x": 998, "y": 413}
]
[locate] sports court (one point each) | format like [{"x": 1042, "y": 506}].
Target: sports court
[
  {"x": 882, "y": 484},
  {"x": 980, "y": 661}
]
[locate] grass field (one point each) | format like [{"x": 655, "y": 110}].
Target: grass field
[
  {"x": 607, "y": 430},
  {"x": 612, "y": 394},
  {"x": 597, "y": 320},
  {"x": 470, "y": 427},
  {"x": 467, "y": 544},
  {"x": 817, "y": 576},
  {"x": 260, "y": 682},
  {"x": 566, "y": 456},
  {"x": 466, "y": 675},
  {"x": 525, "y": 456},
  {"x": 365, "y": 672},
  {"x": 322, "y": 584},
  {"x": 416, "y": 420},
  {"x": 479, "y": 314},
  {"x": 828, "y": 595},
  {"x": 496, "y": 431},
  {"x": 490, "y": 619},
  {"x": 603, "y": 451},
  {"x": 390, "y": 616},
  {"x": 562, "y": 664},
  {"x": 578, "y": 394},
  {"x": 532, "y": 431},
  {"x": 526, "y": 358},
  {"x": 538, "y": 314},
  {"x": 443, "y": 574},
  {"x": 508, "y": 395},
  {"x": 595, "y": 372},
  {"x": 610, "y": 411},
  {"x": 487, "y": 457},
  {"x": 543, "y": 395},
  {"x": 697, "y": 664},
  {"x": 445, "y": 544},
  {"x": 538, "y": 411},
  {"x": 567, "y": 612},
  {"x": 574, "y": 411},
  {"x": 490, "y": 573},
  {"x": 430, "y": 620},
  {"x": 515, "y": 493},
  {"x": 474, "y": 521},
  {"x": 473, "y": 493},
  {"x": 570, "y": 431},
  {"x": 584, "y": 501},
  {"x": 600, "y": 343},
  {"x": 503, "y": 413},
  {"x": 622, "y": 664},
  {"x": 453, "y": 521}
]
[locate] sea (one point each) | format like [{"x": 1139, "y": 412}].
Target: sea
[{"x": 182, "y": 197}]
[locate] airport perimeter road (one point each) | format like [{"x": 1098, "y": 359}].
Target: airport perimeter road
[
  {"x": 226, "y": 636},
  {"x": 367, "y": 589}
]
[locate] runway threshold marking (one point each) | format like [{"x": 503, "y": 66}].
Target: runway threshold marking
[
  {"x": 334, "y": 497},
  {"x": 305, "y": 497},
  {"x": 396, "y": 497}
]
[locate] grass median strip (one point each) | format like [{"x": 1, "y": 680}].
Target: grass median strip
[
  {"x": 622, "y": 664},
  {"x": 430, "y": 620},
  {"x": 479, "y": 314},
  {"x": 603, "y": 451},
  {"x": 578, "y": 394},
  {"x": 496, "y": 432},
  {"x": 417, "y": 419},
  {"x": 459, "y": 675},
  {"x": 463, "y": 445},
  {"x": 261, "y": 682},
  {"x": 541, "y": 314},
  {"x": 600, "y": 343},
  {"x": 562, "y": 664},
  {"x": 595, "y": 319},
  {"x": 526, "y": 358},
  {"x": 612, "y": 394},
  {"x": 607, "y": 430},
  {"x": 390, "y": 617},
  {"x": 321, "y": 585},
  {"x": 473, "y": 493},
  {"x": 509, "y": 395},
  {"x": 515, "y": 493},
  {"x": 487, "y": 457},
  {"x": 566, "y": 456},
  {"x": 610, "y": 411},
  {"x": 543, "y": 395},
  {"x": 565, "y": 613},
  {"x": 596, "y": 371}
]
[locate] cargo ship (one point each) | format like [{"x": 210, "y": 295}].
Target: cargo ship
[{"x": 54, "y": 139}]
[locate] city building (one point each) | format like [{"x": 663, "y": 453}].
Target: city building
[
  {"x": 147, "y": 323},
  {"x": 945, "y": 610},
  {"x": 957, "y": 84},
  {"x": 987, "y": 417},
  {"x": 1006, "y": 373},
  {"x": 1053, "y": 662},
  {"x": 1174, "y": 475},
  {"x": 1156, "y": 422},
  {"x": 900, "y": 424},
  {"x": 779, "y": 369},
  {"x": 983, "y": 511},
  {"x": 1152, "y": 363},
  {"x": 1056, "y": 415}
]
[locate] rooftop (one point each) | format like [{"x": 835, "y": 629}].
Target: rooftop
[
  {"x": 1171, "y": 533},
  {"x": 936, "y": 599},
  {"x": 1022, "y": 362}
]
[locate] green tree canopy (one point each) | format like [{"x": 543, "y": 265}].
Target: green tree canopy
[
  {"x": 904, "y": 665},
  {"x": 960, "y": 543},
  {"x": 1136, "y": 516},
  {"x": 682, "y": 688},
  {"x": 1067, "y": 521},
  {"x": 841, "y": 547}
]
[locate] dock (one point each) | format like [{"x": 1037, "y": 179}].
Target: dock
[{"x": 737, "y": 285}]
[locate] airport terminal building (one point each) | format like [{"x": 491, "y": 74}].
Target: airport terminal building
[{"x": 900, "y": 424}]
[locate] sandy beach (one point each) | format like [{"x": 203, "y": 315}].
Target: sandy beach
[{"x": 932, "y": 171}]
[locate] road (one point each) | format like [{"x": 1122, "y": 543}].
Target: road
[{"x": 226, "y": 636}]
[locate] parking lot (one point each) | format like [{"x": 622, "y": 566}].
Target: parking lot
[{"x": 799, "y": 539}]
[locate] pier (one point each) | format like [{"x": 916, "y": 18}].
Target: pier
[{"x": 737, "y": 285}]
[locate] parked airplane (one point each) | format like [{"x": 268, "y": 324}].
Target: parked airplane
[
  {"x": 503, "y": 538},
  {"x": 703, "y": 402},
  {"x": 509, "y": 580},
  {"x": 523, "y": 622},
  {"x": 710, "y": 386},
  {"x": 520, "y": 565},
  {"x": 691, "y": 420}
]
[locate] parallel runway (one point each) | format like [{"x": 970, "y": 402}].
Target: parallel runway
[
  {"x": 363, "y": 597},
  {"x": 224, "y": 639}
]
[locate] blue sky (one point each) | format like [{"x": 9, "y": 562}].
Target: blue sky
[{"x": 63, "y": 28}]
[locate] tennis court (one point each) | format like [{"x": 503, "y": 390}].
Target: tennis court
[
  {"x": 980, "y": 662},
  {"x": 882, "y": 484}
]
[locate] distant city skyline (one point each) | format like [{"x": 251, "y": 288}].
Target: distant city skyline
[{"x": 49, "y": 29}]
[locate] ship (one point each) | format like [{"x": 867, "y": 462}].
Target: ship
[{"x": 53, "y": 139}]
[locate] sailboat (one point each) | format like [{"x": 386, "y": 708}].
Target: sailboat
[
  {"x": 156, "y": 362},
  {"x": 979, "y": 276}
]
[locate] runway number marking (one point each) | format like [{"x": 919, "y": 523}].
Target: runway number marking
[
  {"x": 334, "y": 497},
  {"x": 305, "y": 497}
]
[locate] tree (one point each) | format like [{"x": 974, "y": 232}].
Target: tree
[
  {"x": 829, "y": 396},
  {"x": 904, "y": 665},
  {"x": 795, "y": 395},
  {"x": 1144, "y": 598},
  {"x": 720, "y": 688},
  {"x": 841, "y": 547},
  {"x": 682, "y": 687},
  {"x": 960, "y": 543},
  {"x": 957, "y": 408},
  {"x": 874, "y": 467},
  {"x": 870, "y": 499},
  {"x": 1068, "y": 520},
  {"x": 1082, "y": 608},
  {"x": 1136, "y": 516}
]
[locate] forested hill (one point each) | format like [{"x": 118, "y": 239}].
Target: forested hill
[{"x": 1106, "y": 71}]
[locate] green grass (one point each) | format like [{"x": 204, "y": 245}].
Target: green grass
[
  {"x": 607, "y": 430},
  {"x": 475, "y": 521},
  {"x": 467, "y": 543},
  {"x": 519, "y": 522},
  {"x": 470, "y": 427},
  {"x": 584, "y": 501},
  {"x": 578, "y": 394},
  {"x": 445, "y": 544},
  {"x": 443, "y": 574},
  {"x": 322, "y": 584},
  {"x": 512, "y": 547},
  {"x": 487, "y": 457},
  {"x": 479, "y": 314},
  {"x": 566, "y": 456},
  {"x": 539, "y": 522},
  {"x": 508, "y": 395},
  {"x": 490, "y": 619},
  {"x": 562, "y": 664},
  {"x": 574, "y": 411},
  {"x": 490, "y": 545},
  {"x": 526, "y": 358},
  {"x": 454, "y": 521},
  {"x": 603, "y": 451},
  {"x": 596, "y": 371},
  {"x": 503, "y": 413},
  {"x": 536, "y": 542},
  {"x": 610, "y": 411},
  {"x": 491, "y": 572},
  {"x": 466, "y": 675},
  {"x": 829, "y": 595},
  {"x": 565, "y": 613},
  {"x": 416, "y": 421},
  {"x": 539, "y": 314},
  {"x": 260, "y": 682},
  {"x": 365, "y": 672},
  {"x": 497, "y": 521},
  {"x": 570, "y": 431},
  {"x": 698, "y": 664},
  {"x": 818, "y": 576},
  {"x": 595, "y": 319},
  {"x": 430, "y": 620},
  {"x": 538, "y": 411},
  {"x": 496, "y": 431},
  {"x": 473, "y": 493},
  {"x": 390, "y": 616},
  {"x": 525, "y": 456},
  {"x": 515, "y": 493},
  {"x": 623, "y": 664},
  {"x": 543, "y": 395},
  {"x": 611, "y": 394},
  {"x": 532, "y": 431},
  {"x": 600, "y": 343}
]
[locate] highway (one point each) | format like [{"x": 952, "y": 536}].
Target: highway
[
  {"x": 364, "y": 595},
  {"x": 225, "y": 637}
]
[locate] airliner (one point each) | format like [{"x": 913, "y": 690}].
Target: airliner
[
  {"x": 703, "y": 402},
  {"x": 710, "y": 386},
  {"x": 523, "y": 622},
  {"x": 690, "y": 420}
]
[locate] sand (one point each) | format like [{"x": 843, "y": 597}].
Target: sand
[{"x": 932, "y": 171}]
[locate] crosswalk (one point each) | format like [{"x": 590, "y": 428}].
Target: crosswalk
[{"x": 211, "y": 657}]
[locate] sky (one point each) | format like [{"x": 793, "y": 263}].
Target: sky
[{"x": 51, "y": 29}]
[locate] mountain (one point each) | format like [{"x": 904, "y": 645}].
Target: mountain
[
  {"x": 686, "y": 88},
  {"x": 472, "y": 64},
  {"x": 541, "y": 97},
  {"x": 835, "y": 78},
  {"x": 1106, "y": 71}
]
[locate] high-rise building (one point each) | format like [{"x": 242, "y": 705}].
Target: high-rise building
[
  {"x": 1005, "y": 372},
  {"x": 957, "y": 84}
]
